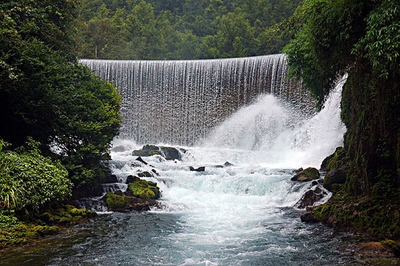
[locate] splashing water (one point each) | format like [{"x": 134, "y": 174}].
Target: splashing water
[{"x": 280, "y": 135}]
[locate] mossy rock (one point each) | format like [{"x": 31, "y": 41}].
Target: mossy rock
[
  {"x": 147, "y": 150},
  {"x": 362, "y": 214},
  {"x": 114, "y": 201},
  {"x": 307, "y": 174},
  {"x": 335, "y": 177},
  {"x": 335, "y": 160},
  {"x": 144, "y": 189},
  {"x": 68, "y": 214},
  {"x": 124, "y": 203}
]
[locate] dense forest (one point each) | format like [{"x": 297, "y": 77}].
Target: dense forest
[{"x": 182, "y": 29}]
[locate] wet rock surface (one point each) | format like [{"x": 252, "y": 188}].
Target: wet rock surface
[
  {"x": 311, "y": 197},
  {"x": 199, "y": 169},
  {"x": 308, "y": 174},
  {"x": 169, "y": 153},
  {"x": 336, "y": 176}
]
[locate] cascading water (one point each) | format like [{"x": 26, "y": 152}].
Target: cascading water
[
  {"x": 179, "y": 102},
  {"x": 235, "y": 215}
]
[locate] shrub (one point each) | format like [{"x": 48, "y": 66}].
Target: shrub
[{"x": 30, "y": 181}]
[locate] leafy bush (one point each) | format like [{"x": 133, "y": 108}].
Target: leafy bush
[{"x": 30, "y": 181}]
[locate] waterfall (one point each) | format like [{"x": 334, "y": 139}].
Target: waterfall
[{"x": 179, "y": 102}]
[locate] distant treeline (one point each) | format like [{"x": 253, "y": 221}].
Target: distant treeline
[{"x": 182, "y": 29}]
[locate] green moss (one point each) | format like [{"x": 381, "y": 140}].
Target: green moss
[
  {"x": 338, "y": 160},
  {"x": 16, "y": 232},
  {"x": 67, "y": 214},
  {"x": 144, "y": 189},
  {"x": 114, "y": 201},
  {"x": 311, "y": 172},
  {"x": 363, "y": 214}
]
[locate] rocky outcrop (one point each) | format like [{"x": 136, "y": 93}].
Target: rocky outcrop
[
  {"x": 169, "y": 153},
  {"x": 307, "y": 174}
]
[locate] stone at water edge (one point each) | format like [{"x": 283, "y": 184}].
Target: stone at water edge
[
  {"x": 307, "y": 174},
  {"x": 145, "y": 174},
  {"x": 141, "y": 160},
  {"x": 310, "y": 198},
  {"x": 131, "y": 179},
  {"x": 308, "y": 218},
  {"x": 200, "y": 169},
  {"x": 336, "y": 176}
]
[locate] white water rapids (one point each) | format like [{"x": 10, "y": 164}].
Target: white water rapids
[{"x": 237, "y": 215}]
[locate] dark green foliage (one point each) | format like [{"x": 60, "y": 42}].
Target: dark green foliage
[
  {"x": 30, "y": 181},
  {"x": 184, "y": 29},
  {"x": 45, "y": 94}
]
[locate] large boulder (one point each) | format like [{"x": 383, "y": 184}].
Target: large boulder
[
  {"x": 336, "y": 176},
  {"x": 200, "y": 169},
  {"x": 307, "y": 174},
  {"x": 123, "y": 203},
  {"x": 169, "y": 153},
  {"x": 144, "y": 189}
]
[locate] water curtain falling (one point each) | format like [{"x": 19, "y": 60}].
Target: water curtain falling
[{"x": 179, "y": 102}]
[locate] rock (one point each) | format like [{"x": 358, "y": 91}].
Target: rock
[
  {"x": 200, "y": 169},
  {"x": 310, "y": 197},
  {"x": 144, "y": 189},
  {"x": 110, "y": 179},
  {"x": 227, "y": 164},
  {"x": 124, "y": 203},
  {"x": 337, "y": 176},
  {"x": 308, "y": 218},
  {"x": 147, "y": 150},
  {"x": 334, "y": 160},
  {"x": 298, "y": 171},
  {"x": 154, "y": 171},
  {"x": 169, "y": 153},
  {"x": 145, "y": 174},
  {"x": 131, "y": 179},
  {"x": 141, "y": 160},
  {"x": 376, "y": 253},
  {"x": 307, "y": 174}
]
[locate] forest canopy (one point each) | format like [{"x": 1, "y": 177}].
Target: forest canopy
[{"x": 182, "y": 29}]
